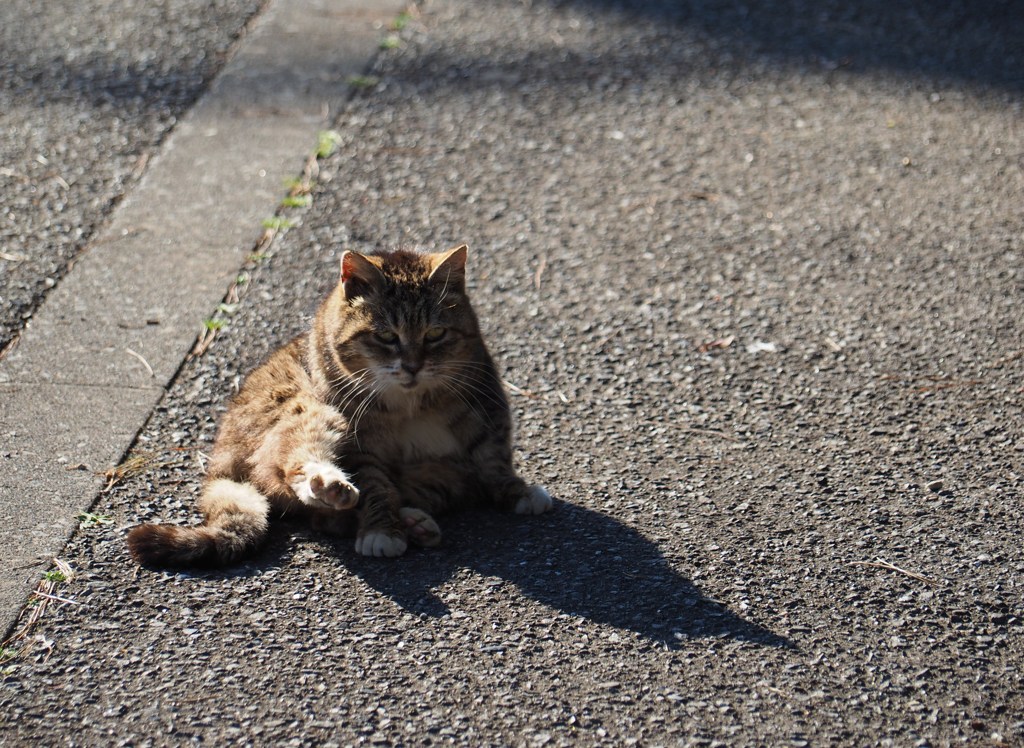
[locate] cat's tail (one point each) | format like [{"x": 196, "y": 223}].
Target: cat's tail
[{"x": 236, "y": 522}]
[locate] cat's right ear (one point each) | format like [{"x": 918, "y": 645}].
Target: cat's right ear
[
  {"x": 358, "y": 275},
  {"x": 450, "y": 268}
]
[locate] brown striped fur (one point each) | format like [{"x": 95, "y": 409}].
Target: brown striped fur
[{"x": 389, "y": 410}]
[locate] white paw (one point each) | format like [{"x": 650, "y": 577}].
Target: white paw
[
  {"x": 380, "y": 544},
  {"x": 323, "y": 485},
  {"x": 422, "y": 528},
  {"x": 536, "y": 501}
]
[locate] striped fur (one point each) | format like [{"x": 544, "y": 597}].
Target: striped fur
[{"x": 389, "y": 410}]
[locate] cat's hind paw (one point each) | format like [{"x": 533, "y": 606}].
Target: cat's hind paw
[
  {"x": 422, "y": 528},
  {"x": 536, "y": 501},
  {"x": 380, "y": 544},
  {"x": 323, "y": 485}
]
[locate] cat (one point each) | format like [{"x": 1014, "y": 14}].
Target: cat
[{"x": 387, "y": 411}]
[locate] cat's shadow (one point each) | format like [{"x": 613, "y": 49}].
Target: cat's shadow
[{"x": 574, "y": 561}]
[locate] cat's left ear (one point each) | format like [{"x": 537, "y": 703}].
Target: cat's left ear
[
  {"x": 359, "y": 276},
  {"x": 450, "y": 268}
]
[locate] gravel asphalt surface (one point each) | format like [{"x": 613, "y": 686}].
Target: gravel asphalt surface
[
  {"x": 753, "y": 272},
  {"x": 88, "y": 89}
]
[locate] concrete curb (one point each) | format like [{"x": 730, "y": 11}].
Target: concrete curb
[{"x": 99, "y": 354}]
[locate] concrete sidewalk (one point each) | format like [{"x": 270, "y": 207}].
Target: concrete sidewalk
[{"x": 97, "y": 357}]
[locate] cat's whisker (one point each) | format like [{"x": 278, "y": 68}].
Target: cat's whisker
[
  {"x": 363, "y": 408},
  {"x": 370, "y": 399},
  {"x": 356, "y": 388},
  {"x": 348, "y": 378},
  {"x": 444, "y": 293},
  {"x": 437, "y": 304},
  {"x": 467, "y": 372},
  {"x": 468, "y": 366},
  {"x": 450, "y": 387},
  {"x": 476, "y": 389},
  {"x": 461, "y": 362},
  {"x": 357, "y": 391},
  {"x": 476, "y": 393},
  {"x": 360, "y": 400}
]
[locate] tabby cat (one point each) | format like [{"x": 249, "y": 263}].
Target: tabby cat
[{"x": 387, "y": 411}]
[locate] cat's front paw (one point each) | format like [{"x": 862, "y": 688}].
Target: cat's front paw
[
  {"x": 422, "y": 528},
  {"x": 380, "y": 544},
  {"x": 323, "y": 485},
  {"x": 536, "y": 501}
]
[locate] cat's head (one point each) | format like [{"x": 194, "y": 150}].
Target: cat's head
[{"x": 404, "y": 325}]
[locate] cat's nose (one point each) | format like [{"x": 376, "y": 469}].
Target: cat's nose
[{"x": 412, "y": 367}]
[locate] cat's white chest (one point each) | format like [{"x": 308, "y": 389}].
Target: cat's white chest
[{"x": 427, "y": 437}]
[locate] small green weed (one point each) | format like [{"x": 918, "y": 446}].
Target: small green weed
[
  {"x": 297, "y": 201},
  {"x": 327, "y": 142},
  {"x": 391, "y": 41},
  {"x": 213, "y": 324},
  {"x": 87, "y": 520},
  {"x": 363, "y": 81},
  {"x": 277, "y": 223},
  {"x": 401, "y": 20},
  {"x": 55, "y": 575}
]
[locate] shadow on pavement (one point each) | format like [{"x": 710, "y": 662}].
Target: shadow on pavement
[
  {"x": 950, "y": 41},
  {"x": 977, "y": 42},
  {"x": 575, "y": 561}
]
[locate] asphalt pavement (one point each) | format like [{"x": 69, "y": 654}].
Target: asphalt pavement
[
  {"x": 752, "y": 272},
  {"x": 88, "y": 91}
]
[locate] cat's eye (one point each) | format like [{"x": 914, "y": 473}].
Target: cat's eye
[
  {"x": 386, "y": 336},
  {"x": 434, "y": 334}
]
